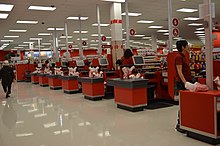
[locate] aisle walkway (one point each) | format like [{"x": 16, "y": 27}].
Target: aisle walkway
[{"x": 37, "y": 116}]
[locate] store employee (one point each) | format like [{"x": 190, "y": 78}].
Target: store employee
[
  {"x": 183, "y": 73},
  {"x": 127, "y": 58}
]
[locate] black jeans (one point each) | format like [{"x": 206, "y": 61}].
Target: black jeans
[
  {"x": 7, "y": 88},
  {"x": 179, "y": 86}
]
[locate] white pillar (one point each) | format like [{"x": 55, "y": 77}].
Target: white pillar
[
  {"x": 39, "y": 50},
  {"x": 31, "y": 47},
  {"x": 208, "y": 43},
  {"x": 127, "y": 45},
  {"x": 99, "y": 32},
  {"x": 55, "y": 46},
  {"x": 80, "y": 42},
  {"x": 66, "y": 33},
  {"x": 170, "y": 25},
  {"x": 67, "y": 54},
  {"x": 116, "y": 32},
  {"x": 154, "y": 42}
]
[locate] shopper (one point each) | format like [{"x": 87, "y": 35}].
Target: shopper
[
  {"x": 127, "y": 58},
  {"x": 183, "y": 73},
  {"x": 7, "y": 76}
]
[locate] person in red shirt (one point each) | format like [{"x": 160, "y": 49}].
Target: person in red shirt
[
  {"x": 183, "y": 73},
  {"x": 127, "y": 58}
]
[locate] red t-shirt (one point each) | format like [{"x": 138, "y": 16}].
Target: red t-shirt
[
  {"x": 127, "y": 61},
  {"x": 180, "y": 59}
]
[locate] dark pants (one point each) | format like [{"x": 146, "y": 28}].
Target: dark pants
[
  {"x": 7, "y": 88},
  {"x": 179, "y": 86}
]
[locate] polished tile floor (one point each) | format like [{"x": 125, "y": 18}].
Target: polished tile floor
[{"x": 37, "y": 116}]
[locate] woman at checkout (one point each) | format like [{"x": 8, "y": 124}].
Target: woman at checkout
[{"x": 127, "y": 58}]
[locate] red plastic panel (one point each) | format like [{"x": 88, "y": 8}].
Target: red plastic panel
[
  {"x": 133, "y": 97},
  {"x": 197, "y": 110}
]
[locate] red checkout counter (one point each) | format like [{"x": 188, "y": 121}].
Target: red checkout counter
[
  {"x": 34, "y": 78},
  {"x": 200, "y": 115},
  {"x": 92, "y": 88},
  {"x": 43, "y": 80},
  {"x": 70, "y": 84},
  {"x": 54, "y": 82},
  {"x": 21, "y": 69},
  {"x": 130, "y": 94}
]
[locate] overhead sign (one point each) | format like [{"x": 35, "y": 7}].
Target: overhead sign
[
  {"x": 70, "y": 46},
  {"x": 103, "y": 38},
  {"x": 175, "y": 32},
  {"x": 84, "y": 43},
  {"x": 132, "y": 32},
  {"x": 175, "y": 22}
]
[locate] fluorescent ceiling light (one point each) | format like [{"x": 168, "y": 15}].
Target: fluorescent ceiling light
[
  {"x": 202, "y": 28},
  {"x": 6, "y": 7},
  {"x": 23, "y": 45},
  {"x": 96, "y": 35},
  {"x": 199, "y": 32},
  {"x": 5, "y": 44},
  {"x": 63, "y": 37},
  {"x": 132, "y": 14},
  {"x": 179, "y": 38},
  {"x": 145, "y": 21},
  {"x": 46, "y": 44},
  {"x": 155, "y": 27},
  {"x": 24, "y": 134},
  {"x": 187, "y": 10},
  {"x": 77, "y": 18},
  {"x": 117, "y": 1},
  {"x": 51, "y": 28},
  {"x": 146, "y": 38},
  {"x": 8, "y": 36},
  {"x": 42, "y": 8},
  {"x": 40, "y": 115},
  {"x": 83, "y": 39},
  {"x": 191, "y": 18},
  {"x": 26, "y": 22},
  {"x": 3, "y": 16},
  {"x": 166, "y": 34},
  {"x": 163, "y": 30},
  {"x": 93, "y": 44},
  {"x": 7, "y": 40},
  {"x": 83, "y": 31},
  {"x": 195, "y": 24},
  {"x": 27, "y": 42},
  {"x": 17, "y": 30},
  {"x": 102, "y": 24},
  {"x": 43, "y": 34},
  {"x": 108, "y": 37},
  {"x": 139, "y": 35},
  {"x": 33, "y": 39}
]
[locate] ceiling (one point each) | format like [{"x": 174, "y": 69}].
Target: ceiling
[{"x": 155, "y": 10}]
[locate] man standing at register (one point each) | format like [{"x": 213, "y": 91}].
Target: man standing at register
[{"x": 183, "y": 73}]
